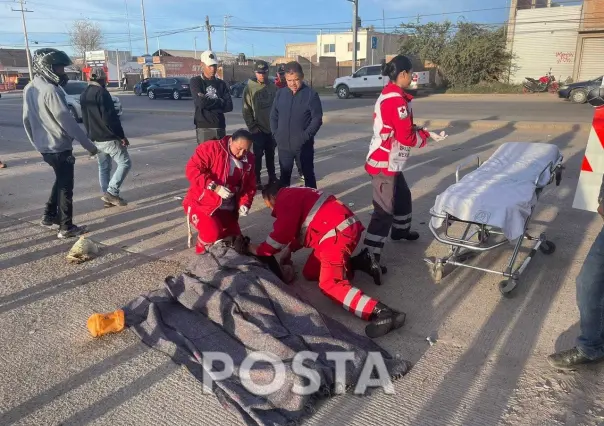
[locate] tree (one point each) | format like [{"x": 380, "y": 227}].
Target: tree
[
  {"x": 464, "y": 55},
  {"x": 85, "y": 36}
]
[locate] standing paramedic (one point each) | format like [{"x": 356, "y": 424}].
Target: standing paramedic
[
  {"x": 394, "y": 134},
  {"x": 296, "y": 117},
  {"x": 222, "y": 187},
  {"x": 309, "y": 218},
  {"x": 212, "y": 100},
  {"x": 51, "y": 129},
  {"x": 258, "y": 97}
]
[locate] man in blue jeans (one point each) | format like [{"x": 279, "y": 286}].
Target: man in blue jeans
[
  {"x": 105, "y": 130},
  {"x": 590, "y": 300},
  {"x": 296, "y": 117}
]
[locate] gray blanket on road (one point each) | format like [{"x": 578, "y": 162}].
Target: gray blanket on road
[{"x": 231, "y": 303}]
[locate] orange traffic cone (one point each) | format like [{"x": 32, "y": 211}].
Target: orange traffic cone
[{"x": 101, "y": 324}]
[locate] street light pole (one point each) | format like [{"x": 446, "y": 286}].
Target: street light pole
[
  {"x": 195, "y": 44},
  {"x": 145, "y": 27},
  {"x": 355, "y": 18},
  {"x": 22, "y": 10}
]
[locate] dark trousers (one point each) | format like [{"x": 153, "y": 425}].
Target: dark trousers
[
  {"x": 204, "y": 135},
  {"x": 264, "y": 146},
  {"x": 392, "y": 210},
  {"x": 306, "y": 157},
  {"x": 60, "y": 203},
  {"x": 590, "y": 300}
]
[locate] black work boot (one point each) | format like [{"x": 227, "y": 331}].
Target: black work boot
[
  {"x": 50, "y": 222},
  {"x": 366, "y": 262},
  {"x": 569, "y": 359},
  {"x": 383, "y": 321},
  {"x": 403, "y": 234},
  {"x": 259, "y": 186}
]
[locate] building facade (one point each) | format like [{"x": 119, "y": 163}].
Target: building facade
[
  {"x": 568, "y": 40},
  {"x": 371, "y": 47},
  {"x": 304, "y": 50}
]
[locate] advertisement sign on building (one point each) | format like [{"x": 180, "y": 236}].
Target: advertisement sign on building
[{"x": 95, "y": 58}]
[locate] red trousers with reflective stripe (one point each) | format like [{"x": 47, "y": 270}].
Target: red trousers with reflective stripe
[
  {"x": 329, "y": 262},
  {"x": 220, "y": 225}
]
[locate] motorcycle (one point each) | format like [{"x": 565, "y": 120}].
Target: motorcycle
[{"x": 547, "y": 83}]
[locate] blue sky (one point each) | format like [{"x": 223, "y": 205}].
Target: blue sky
[{"x": 48, "y": 25}]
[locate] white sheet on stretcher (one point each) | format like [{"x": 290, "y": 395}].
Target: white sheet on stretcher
[{"x": 501, "y": 192}]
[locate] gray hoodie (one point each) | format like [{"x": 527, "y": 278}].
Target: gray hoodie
[{"x": 48, "y": 123}]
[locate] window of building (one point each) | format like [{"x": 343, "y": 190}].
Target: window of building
[
  {"x": 329, "y": 48},
  {"x": 350, "y": 46}
]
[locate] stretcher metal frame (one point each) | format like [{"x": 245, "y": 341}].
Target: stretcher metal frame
[{"x": 465, "y": 247}]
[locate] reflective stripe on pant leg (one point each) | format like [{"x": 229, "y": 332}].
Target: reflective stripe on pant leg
[
  {"x": 333, "y": 282},
  {"x": 381, "y": 219},
  {"x": 402, "y": 207}
]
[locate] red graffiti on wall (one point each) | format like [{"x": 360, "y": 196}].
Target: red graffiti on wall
[{"x": 565, "y": 57}]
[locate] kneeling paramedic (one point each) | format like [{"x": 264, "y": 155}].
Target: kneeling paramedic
[
  {"x": 223, "y": 184},
  {"x": 309, "y": 218}
]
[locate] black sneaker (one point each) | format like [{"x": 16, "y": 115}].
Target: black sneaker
[
  {"x": 383, "y": 321},
  {"x": 398, "y": 235},
  {"x": 259, "y": 186},
  {"x": 366, "y": 262},
  {"x": 112, "y": 199},
  {"x": 73, "y": 231},
  {"x": 107, "y": 205},
  {"x": 569, "y": 359},
  {"x": 50, "y": 222}
]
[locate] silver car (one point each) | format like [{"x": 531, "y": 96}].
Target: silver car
[{"x": 73, "y": 90}]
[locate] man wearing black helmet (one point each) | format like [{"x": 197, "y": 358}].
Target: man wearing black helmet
[{"x": 51, "y": 129}]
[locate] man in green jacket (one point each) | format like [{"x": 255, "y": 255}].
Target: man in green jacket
[{"x": 258, "y": 98}]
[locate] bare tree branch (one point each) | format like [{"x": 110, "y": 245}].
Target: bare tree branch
[{"x": 85, "y": 36}]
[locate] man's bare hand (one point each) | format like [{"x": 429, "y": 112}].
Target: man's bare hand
[
  {"x": 125, "y": 142},
  {"x": 286, "y": 256},
  {"x": 253, "y": 249}
]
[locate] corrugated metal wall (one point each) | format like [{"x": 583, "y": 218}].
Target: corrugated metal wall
[
  {"x": 545, "y": 38},
  {"x": 592, "y": 59}
]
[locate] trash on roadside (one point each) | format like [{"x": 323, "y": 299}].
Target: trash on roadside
[
  {"x": 178, "y": 198},
  {"x": 431, "y": 341},
  {"x": 82, "y": 251},
  {"x": 350, "y": 204}
]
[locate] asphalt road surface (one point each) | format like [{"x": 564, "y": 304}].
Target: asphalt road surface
[
  {"x": 486, "y": 368},
  {"x": 463, "y": 107}
]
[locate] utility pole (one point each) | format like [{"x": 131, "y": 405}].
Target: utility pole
[
  {"x": 384, "y": 36},
  {"x": 145, "y": 27},
  {"x": 195, "y": 44},
  {"x": 226, "y": 23},
  {"x": 119, "y": 75},
  {"x": 209, "y": 29},
  {"x": 22, "y": 10},
  {"x": 355, "y": 17},
  {"x": 128, "y": 22},
  {"x": 158, "y": 48}
]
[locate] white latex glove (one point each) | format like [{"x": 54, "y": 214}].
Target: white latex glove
[
  {"x": 438, "y": 136},
  {"x": 223, "y": 192},
  {"x": 243, "y": 210}
]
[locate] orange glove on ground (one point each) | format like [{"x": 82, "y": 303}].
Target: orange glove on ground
[{"x": 101, "y": 324}]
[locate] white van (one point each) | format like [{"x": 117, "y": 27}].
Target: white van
[{"x": 369, "y": 81}]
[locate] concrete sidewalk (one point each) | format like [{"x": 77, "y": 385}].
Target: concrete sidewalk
[{"x": 487, "y": 366}]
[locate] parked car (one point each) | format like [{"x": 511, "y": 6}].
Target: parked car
[
  {"x": 21, "y": 83},
  {"x": 577, "y": 92},
  {"x": 73, "y": 90},
  {"x": 172, "y": 87},
  {"x": 369, "y": 81},
  {"x": 238, "y": 88},
  {"x": 142, "y": 86}
]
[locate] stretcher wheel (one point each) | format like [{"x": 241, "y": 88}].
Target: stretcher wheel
[
  {"x": 507, "y": 287},
  {"x": 547, "y": 247}
]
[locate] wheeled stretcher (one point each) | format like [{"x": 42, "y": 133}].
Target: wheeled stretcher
[{"x": 495, "y": 203}]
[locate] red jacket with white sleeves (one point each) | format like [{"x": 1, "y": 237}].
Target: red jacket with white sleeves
[
  {"x": 392, "y": 125},
  {"x": 293, "y": 208},
  {"x": 210, "y": 163}
]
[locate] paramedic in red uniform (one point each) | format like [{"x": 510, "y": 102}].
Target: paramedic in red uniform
[
  {"x": 394, "y": 134},
  {"x": 306, "y": 217},
  {"x": 223, "y": 184}
]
